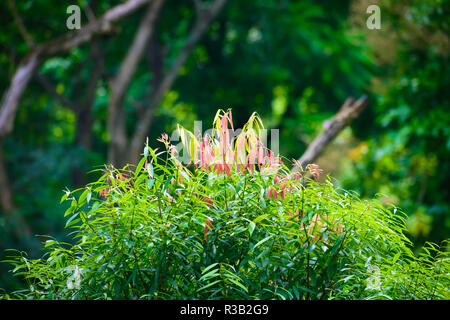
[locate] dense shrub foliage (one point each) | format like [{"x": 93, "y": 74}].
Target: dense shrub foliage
[{"x": 235, "y": 223}]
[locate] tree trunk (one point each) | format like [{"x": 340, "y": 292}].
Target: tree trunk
[
  {"x": 6, "y": 199},
  {"x": 6, "y": 194},
  {"x": 205, "y": 15},
  {"x": 118, "y": 141},
  {"x": 83, "y": 135}
]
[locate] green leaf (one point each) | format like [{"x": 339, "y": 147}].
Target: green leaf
[
  {"x": 139, "y": 167},
  {"x": 395, "y": 258},
  {"x": 150, "y": 170},
  {"x": 209, "y": 275},
  {"x": 251, "y": 227},
  {"x": 209, "y": 285},
  {"x": 73, "y": 207},
  {"x": 262, "y": 241},
  {"x": 337, "y": 245},
  {"x": 150, "y": 183},
  {"x": 185, "y": 175},
  {"x": 240, "y": 285},
  {"x": 83, "y": 196},
  {"x": 64, "y": 197},
  {"x": 166, "y": 185},
  {"x": 332, "y": 268},
  {"x": 209, "y": 267},
  {"x": 71, "y": 218},
  {"x": 260, "y": 218},
  {"x": 306, "y": 289}
]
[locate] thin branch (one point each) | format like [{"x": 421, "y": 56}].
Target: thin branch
[
  {"x": 156, "y": 55},
  {"x": 51, "y": 89},
  {"x": 349, "y": 111},
  {"x": 22, "y": 29},
  {"x": 88, "y": 10},
  {"x": 42, "y": 52},
  {"x": 127, "y": 69},
  {"x": 95, "y": 74},
  {"x": 198, "y": 6},
  {"x": 97, "y": 56},
  {"x": 120, "y": 84},
  {"x": 11, "y": 97},
  {"x": 77, "y": 76}
]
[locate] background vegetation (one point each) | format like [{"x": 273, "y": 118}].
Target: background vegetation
[{"x": 294, "y": 62}]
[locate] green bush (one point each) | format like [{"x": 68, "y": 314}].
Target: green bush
[{"x": 234, "y": 224}]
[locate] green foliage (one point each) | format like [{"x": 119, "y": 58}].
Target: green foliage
[
  {"x": 407, "y": 157},
  {"x": 166, "y": 231}
]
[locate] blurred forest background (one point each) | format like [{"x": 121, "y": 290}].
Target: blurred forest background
[{"x": 92, "y": 97}]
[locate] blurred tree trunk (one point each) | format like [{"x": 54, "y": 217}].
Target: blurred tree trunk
[
  {"x": 6, "y": 194},
  {"x": 206, "y": 12},
  {"x": 81, "y": 106},
  {"x": 6, "y": 199},
  {"x": 118, "y": 141},
  {"x": 84, "y": 133}
]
